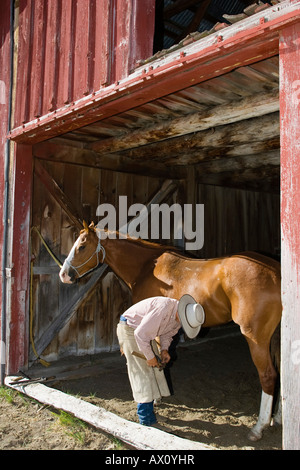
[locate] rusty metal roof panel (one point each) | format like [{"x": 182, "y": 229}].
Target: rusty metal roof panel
[{"x": 214, "y": 12}]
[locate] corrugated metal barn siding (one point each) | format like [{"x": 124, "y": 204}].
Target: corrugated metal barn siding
[{"x": 69, "y": 49}]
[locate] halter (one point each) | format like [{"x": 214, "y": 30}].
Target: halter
[{"x": 96, "y": 252}]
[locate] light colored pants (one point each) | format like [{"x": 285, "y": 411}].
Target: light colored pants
[{"x": 147, "y": 383}]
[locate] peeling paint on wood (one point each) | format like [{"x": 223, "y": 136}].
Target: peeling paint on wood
[
  {"x": 17, "y": 335},
  {"x": 74, "y": 47},
  {"x": 241, "y": 45},
  {"x": 290, "y": 226}
]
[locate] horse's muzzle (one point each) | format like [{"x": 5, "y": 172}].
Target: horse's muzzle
[{"x": 67, "y": 276}]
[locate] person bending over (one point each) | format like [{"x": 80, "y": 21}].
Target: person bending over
[{"x": 138, "y": 327}]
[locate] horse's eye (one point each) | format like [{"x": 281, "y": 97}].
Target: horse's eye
[{"x": 82, "y": 247}]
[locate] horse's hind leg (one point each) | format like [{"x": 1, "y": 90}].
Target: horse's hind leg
[
  {"x": 267, "y": 375},
  {"x": 264, "y": 418},
  {"x": 277, "y": 418}
]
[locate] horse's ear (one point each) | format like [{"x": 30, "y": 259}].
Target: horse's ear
[
  {"x": 92, "y": 226},
  {"x": 85, "y": 226}
]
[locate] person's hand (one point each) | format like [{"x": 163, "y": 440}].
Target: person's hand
[
  {"x": 165, "y": 356},
  {"x": 152, "y": 362}
]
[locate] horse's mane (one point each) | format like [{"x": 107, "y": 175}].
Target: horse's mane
[{"x": 140, "y": 241}]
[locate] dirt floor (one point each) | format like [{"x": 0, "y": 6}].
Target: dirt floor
[
  {"x": 29, "y": 425},
  {"x": 216, "y": 401}
]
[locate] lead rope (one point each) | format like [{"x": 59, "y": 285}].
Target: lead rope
[
  {"x": 42, "y": 361},
  {"x": 47, "y": 247}
]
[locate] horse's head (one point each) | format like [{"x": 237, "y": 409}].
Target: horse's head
[{"x": 85, "y": 255}]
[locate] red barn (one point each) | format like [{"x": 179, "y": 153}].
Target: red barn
[{"x": 102, "y": 98}]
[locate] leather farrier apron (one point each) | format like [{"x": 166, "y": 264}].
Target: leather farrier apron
[{"x": 147, "y": 383}]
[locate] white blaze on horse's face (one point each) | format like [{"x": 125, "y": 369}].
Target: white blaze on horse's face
[{"x": 64, "y": 272}]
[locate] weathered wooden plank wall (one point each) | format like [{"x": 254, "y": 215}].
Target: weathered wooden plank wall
[
  {"x": 92, "y": 329},
  {"x": 235, "y": 220},
  {"x": 18, "y": 259},
  {"x": 69, "y": 49}
]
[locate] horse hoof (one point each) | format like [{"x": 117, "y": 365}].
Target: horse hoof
[
  {"x": 276, "y": 424},
  {"x": 254, "y": 436}
]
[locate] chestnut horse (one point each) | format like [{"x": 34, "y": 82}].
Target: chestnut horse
[{"x": 244, "y": 288}]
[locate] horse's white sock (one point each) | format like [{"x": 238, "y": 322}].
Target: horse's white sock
[{"x": 264, "y": 417}]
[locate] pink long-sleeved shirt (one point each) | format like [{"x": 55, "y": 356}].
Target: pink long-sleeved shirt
[{"x": 150, "y": 318}]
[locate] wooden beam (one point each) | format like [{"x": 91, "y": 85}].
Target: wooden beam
[
  {"x": 215, "y": 154},
  {"x": 58, "y": 194},
  {"x": 290, "y": 230},
  {"x": 259, "y": 172},
  {"x": 68, "y": 310},
  {"x": 255, "y": 136},
  {"x": 265, "y": 179},
  {"x": 5, "y": 86},
  {"x": 203, "y": 143},
  {"x": 250, "y": 107},
  {"x": 240, "y": 163},
  {"x": 166, "y": 190},
  {"x": 57, "y": 152},
  {"x": 18, "y": 266},
  {"x": 136, "y": 435}
]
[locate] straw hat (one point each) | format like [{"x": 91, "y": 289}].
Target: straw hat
[{"x": 191, "y": 315}]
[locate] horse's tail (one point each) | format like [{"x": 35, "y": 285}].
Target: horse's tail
[{"x": 275, "y": 348}]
